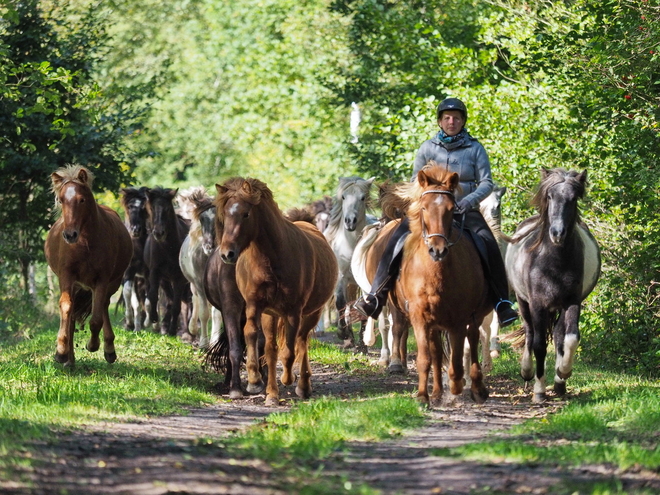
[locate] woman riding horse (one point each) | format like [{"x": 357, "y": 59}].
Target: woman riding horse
[{"x": 459, "y": 152}]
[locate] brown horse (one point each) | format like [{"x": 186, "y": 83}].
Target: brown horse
[
  {"x": 89, "y": 249},
  {"x": 441, "y": 289},
  {"x": 283, "y": 269}
]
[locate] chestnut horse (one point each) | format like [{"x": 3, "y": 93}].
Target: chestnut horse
[
  {"x": 441, "y": 289},
  {"x": 284, "y": 269},
  {"x": 88, "y": 248}
]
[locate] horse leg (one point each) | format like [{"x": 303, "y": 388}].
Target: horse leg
[
  {"x": 109, "y": 352},
  {"x": 456, "y": 371},
  {"x": 384, "y": 327},
  {"x": 423, "y": 359},
  {"x": 540, "y": 321},
  {"x": 399, "y": 330},
  {"x": 288, "y": 350},
  {"x": 64, "y": 349},
  {"x": 494, "y": 325},
  {"x": 216, "y": 324},
  {"x": 487, "y": 343},
  {"x": 204, "y": 317},
  {"x": 270, "y": 329},
  {"x": 478, "y": 390},
  {"x": 193, "y": 322},
  {"x": 437, "y": 355},
  {"x": 304, "y": 386},
  {"x": 251, "y": 331},
  {"x": 566, "y": 337},
  {"x": 344, "y": 330},
  {"x": 361, "y": 346},
  {"x": 135, "y": 303},
  {"x": 526, "y": 361},
  {"x": 151, "y": 303},
  {"x": 127, "y": 292}
]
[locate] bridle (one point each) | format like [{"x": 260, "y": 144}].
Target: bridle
[{"x": 426, "y": 236}]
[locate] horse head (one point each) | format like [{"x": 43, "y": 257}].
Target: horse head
[
  {"x": 73, "y": 192},
  {"x": 353, "y": 195},
  {"x": 134, "y": 201},
  {"x": 432, "y": 213},
  {"x": 557, "y": 200},
  {"x": 237, "y": 209},
  {"x": 162, "y": 217}
]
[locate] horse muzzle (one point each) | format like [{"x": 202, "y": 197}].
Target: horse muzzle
[
  {"x": 350, "y": 223},
  {"x": 557, "y": 235},
  {"x": 229, "y": 257},
  {"x": 70, "y": 236},
  {"x": 438, "y": 254}
]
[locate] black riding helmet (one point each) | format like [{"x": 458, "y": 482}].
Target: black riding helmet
[{"x": 451, "y": 104}]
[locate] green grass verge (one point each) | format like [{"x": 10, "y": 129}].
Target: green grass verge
[{"x": 608, "y": 418}]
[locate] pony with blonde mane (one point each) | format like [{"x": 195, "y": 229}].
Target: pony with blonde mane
[
  {"x": 284, "y": 270},
  {"x": 88, "y": 248}
]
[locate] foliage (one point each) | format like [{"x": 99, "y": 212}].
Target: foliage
[
  {"x": 53, "y": 112},
  {"x": 240, "y": 93}
]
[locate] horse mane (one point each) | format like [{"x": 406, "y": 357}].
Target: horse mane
[
  {"x": 551, "y": 178},
  {"x": 334, "y": 224},
  {"x": 70, "y": 173},
  {"x": 320, "y": 205},
  {"x": 193, "y": 202},
  {"x": 247, "y": 189}
]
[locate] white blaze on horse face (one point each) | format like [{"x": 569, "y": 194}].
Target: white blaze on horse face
[
  {"x": 70, "y": 192},
  {"x": 233, "y": 209}
]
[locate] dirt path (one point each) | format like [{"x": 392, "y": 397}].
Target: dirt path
[{"x": 168, "y": 455}]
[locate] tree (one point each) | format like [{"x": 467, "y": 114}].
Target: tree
[{"x": 52, "y": 112}]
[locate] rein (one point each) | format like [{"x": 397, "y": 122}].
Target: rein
[{"x": 426, "y": 236}]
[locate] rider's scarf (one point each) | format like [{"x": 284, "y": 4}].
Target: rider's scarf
[{"x": 450, "y": 142}]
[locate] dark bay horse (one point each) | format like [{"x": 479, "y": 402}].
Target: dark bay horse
[
  {"x": 285, "y": 271},
  {"x": 167, "y": 231},
  {"x": 441, "y": 289},
  {"x": 134, "y": 202},
  {"x": 553, "y": 264},
  {"x": 88, "y": 248}
]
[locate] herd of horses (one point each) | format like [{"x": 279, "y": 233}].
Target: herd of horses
[{"x": 265, "y": 279}]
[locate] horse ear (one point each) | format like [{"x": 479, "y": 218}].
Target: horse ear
[
  {"x": 583, "y": 176},
  {"x": 83, "y": 176},
  {"x": 246, "y": 187},
  {"x": 172, "y": 192},
  {"x": 221, "y": 189},
  {"x": 371, "y": 180},
  {"x": 500, "y": 191},
  {"x": 545, "y": 172},
  {"x": 56, "y": 178},
  {"x": 453, "y": 181},
  {"x": 422, "y": 179}
]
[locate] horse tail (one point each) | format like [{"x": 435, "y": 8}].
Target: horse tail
[
  {"x": 216, "y": 356},
  {"x": 515, "y": 338},
  {"x": 82, "y": 305}
]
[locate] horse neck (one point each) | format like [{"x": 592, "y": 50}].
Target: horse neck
[{"x": 272, "y": 231}]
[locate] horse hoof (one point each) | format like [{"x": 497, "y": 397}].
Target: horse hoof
[
  {"x": 61, "y": 358},
  {"x": 560, "y": 388},
  {"x": 383, "y": 363},
  {"x": 235, "y": 394},
  {"x": 272, "y": 401},
  {"x": 69, "y": 365},
  {"x": 480, "y": 396},
  {"x": 396, "y": 369},
  {"x": 255, "y": 388},
  {"x": 92, "y": 347},
  {"x": 527, "y": 376},
  {"x": 110, "y": 357},
  {"x": 422, "y": 401},
  {"x": 303, "y": 394},
  {"x": 538, "y": 398}
]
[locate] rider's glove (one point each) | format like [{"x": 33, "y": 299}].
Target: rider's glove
[{"x": 463, "y": 206}]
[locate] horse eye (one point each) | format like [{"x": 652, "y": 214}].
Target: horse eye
[
  {"x": 343, "y": 197},
  {"x": 362, "y": 198},
  {"x": 246, "y": 215}
]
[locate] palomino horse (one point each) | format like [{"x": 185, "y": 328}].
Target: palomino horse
[
  {"x": 88, "y": 248},
  {"x": 553, "y": 264},
  {"x": 134, "y": 292},
  {"x": 161, "y": 254},
  {"x": 441, "y": 289},
  {"x": 347, "y": 219},
  {"x": 194, "y": 253},
  {"x": 283, "y": 269}
]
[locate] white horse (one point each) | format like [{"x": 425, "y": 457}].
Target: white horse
[
  {"x": 194, "y": 253},
  {"x": 347, "y": 220}
]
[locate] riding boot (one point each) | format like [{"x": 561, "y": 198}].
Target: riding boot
[{"x": 371, "y": 304}]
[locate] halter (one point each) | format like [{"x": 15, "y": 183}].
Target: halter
[{"x": 427, "y": 236}]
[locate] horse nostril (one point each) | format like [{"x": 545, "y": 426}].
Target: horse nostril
[{"x": 70, "y": 237}]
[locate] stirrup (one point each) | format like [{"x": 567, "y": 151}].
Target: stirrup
[
  {"x": 508, "y": 319},
  {"x": 364, "y": 306}
]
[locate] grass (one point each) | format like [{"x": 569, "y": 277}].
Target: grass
[{"x": 609, "y": 418}]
